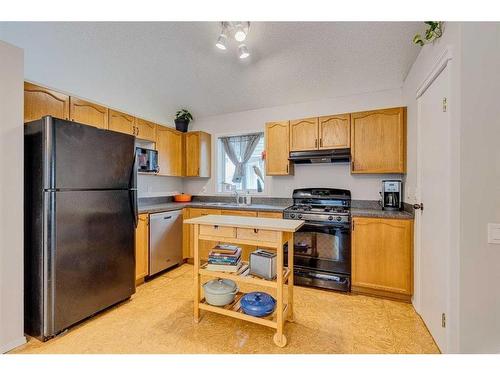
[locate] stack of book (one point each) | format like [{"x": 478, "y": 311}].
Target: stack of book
[{"x": 226, "y": 258}]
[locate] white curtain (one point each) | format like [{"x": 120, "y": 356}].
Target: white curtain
[{"x": 239, "y": 150}]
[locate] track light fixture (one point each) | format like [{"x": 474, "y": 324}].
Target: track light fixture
[{"x": 239, "y": 31}]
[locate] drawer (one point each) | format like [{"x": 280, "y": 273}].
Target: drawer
[
  {"x": 257, "y": 234},
  {"x": 217, "y": 231}
]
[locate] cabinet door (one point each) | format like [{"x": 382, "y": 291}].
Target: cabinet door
[
  {"x": 121, "y": 122},
  {"x": 39, "y": 102},
  {"x": 382, "y": 255},
  {"x": 204, "y": 246},
  {"x": 186, "y": 252},
  {"x": 278, "y": 149},
  {"x": 145, "y": 130},
  {"x": 192, "y": 140},
  {"x": 88, "y": 113},
  {"x": 142, "y": 247},
  {"x": 198, "y": 154},
  {"x": 304, "y": 134},
  {"x": 169, "y": 147},
  {"x": 378, "y": 141},
  {"x": 334, "y": 131}
]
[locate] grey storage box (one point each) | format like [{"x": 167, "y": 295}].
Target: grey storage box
[{"x": 263, "y": 264}]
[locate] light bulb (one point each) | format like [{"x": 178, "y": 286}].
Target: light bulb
[
  {"x": 239, "y": 34},
  {"x": 243, "y": 51},
  {"x": 221, "y": 42}
]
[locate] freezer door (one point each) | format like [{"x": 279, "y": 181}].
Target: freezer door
[
  {"x": 94, "y": 260},
  {"x": 85, "y": 157}
]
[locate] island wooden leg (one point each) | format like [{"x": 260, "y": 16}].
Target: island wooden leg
[
  {"x": 196, "y": 273},
  {"x": 290, "y": 276},
  {"x": 279, "y": 338}
]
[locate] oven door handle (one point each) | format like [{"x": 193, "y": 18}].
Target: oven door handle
[{"x": 326, "y": 225}]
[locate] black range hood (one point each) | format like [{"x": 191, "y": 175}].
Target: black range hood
[{"x": 339, "y": 155}]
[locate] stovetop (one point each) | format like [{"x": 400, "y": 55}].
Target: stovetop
[{"x": 320, "y": 205}]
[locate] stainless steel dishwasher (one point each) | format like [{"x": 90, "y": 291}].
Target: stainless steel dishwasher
[{"x": 165, "y": 240}]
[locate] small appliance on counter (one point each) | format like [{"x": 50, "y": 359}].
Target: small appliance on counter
[
  {"x": 392, "y": 193},
  {"x": 263, "y": 264},
  {"x": 147, "y": 160}
]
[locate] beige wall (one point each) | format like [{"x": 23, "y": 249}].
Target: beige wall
[
  {"x": 319, "y": 175},
  {"x": 11, "y": 197}
]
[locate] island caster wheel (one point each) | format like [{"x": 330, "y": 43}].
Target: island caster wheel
[{"x": 279, "y": 340}]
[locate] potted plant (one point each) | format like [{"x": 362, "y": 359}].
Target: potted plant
[
  {"x": 434, "y": 31},
  {"x": 182, "y": 119}
]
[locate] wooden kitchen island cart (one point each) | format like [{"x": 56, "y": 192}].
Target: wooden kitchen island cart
[{"x": 257, "y": 231}]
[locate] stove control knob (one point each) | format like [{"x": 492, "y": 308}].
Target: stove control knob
[
  {"x": 339, "y": 218},
  {"x": 330, "y": 217},
  {"x": 300, "y": 216},
  {"x": 292, "y": 216}
]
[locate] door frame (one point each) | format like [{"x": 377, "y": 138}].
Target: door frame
[{"x": 452, "y": 319}]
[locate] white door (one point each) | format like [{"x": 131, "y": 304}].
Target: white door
[{"x": 434, "y": 187}]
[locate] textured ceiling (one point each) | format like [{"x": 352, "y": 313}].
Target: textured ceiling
[{"x": 155, "y": 68}]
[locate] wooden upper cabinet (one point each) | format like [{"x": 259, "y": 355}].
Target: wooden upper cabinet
[
  {"x": 198, "y": 154},
  {"x": 278, "y": 148},
  {"x": 40, "y": 101},
  {"x": 121, "y": 122},
  {"x": 169, "y": 147},
  {"x": 304, "y": 134},
  {"x": 88, "y": 113},
  {"x": 145, "y": 130},
  {"x": 378, "y": 141},
  {"x": 334, "y": 131},
  {"x": 382, "y": 256}
]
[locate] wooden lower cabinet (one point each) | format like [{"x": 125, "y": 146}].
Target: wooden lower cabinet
[
  {"x": 142, "y": 247},
  {"x": 382, "y": 257}
]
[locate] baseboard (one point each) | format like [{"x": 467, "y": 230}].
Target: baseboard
[
  {"x": 381, "y": 294},
  {"x": 13, "y": 344}
]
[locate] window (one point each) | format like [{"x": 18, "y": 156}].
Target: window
[{"x": 234, "y": 149}]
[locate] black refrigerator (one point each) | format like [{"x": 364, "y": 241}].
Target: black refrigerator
[{"x": 80, "y": 211}]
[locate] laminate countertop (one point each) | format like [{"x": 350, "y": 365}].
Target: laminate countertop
[
  {"x": 379, "y": 213},
  {"x": 172, "y": 206},
  {"x": 355, "y": 212}
]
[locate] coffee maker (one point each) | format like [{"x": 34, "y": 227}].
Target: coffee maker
[{"x": 392, "y": 194}]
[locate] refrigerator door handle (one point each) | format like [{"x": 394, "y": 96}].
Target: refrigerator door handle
[{"x": 133, "y": 190}]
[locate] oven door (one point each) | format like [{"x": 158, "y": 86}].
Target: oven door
[{"x": 323, "y": 247}]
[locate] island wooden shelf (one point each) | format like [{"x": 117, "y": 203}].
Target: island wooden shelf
[
  {"x": 265, "y": 232},
  {"x": 248, "y": 279}
]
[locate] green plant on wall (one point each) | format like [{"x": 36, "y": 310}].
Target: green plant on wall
[{"x": 434, "y": 31}]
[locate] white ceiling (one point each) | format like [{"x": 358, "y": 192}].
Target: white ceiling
[{"x": 152, "y": 69}]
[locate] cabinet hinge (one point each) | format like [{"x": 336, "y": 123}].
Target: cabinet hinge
[
  {"x": 445, "y": 104},
  {"x": 443, "y": 320}
]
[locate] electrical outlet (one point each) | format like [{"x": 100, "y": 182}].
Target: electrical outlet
[{"x": 494, "y": 233}]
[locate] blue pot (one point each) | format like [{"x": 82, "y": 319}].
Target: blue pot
[{"x": 257, "y": 304}]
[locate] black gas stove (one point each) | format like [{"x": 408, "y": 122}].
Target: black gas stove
[{"x": 322, "y": 247}]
